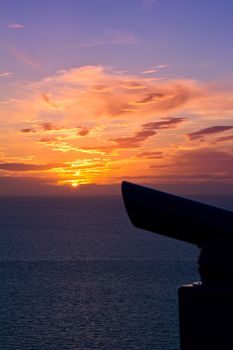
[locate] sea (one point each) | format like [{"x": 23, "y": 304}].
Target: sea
[{"x": 76, "y": 275}]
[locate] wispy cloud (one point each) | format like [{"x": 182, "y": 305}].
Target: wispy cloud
[
  {"x": 155, "y": 69},
  {"x": 14, "y": 25},
  {"x": 197, "y": 135},
  {"x": 162, "y": 66},
  {"x": 149, "y": 71},
  {"x": 25, "y": 58},
  {"x": 112, "y": 37},
  {"x": 147, "y": 4},
  {"x": 6, "y": 74}
]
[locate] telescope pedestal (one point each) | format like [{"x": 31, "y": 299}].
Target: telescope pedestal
[{"x": 206, "y": 317}]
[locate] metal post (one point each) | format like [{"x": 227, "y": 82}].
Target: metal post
[
  {"x": 206, "y": 308},
  {"x": 206, "y": 317}
]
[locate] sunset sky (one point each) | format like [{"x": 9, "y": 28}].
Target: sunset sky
[{"x": 96, "y": 91}]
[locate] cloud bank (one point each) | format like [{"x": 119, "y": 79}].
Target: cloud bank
[{"x": 94, "y": 125}]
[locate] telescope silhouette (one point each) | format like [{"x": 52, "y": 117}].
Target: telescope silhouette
[
  {"x": 207, "y": 226},
  {"x": 205, "y": 309},
  {"x": 177, "y": 217}
]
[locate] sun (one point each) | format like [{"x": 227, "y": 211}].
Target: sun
[{"x": 74, "y": 184}]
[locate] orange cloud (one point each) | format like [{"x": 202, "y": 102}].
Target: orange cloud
[
  {"x": 92, "y": 112},
  {"x": 113, "y": 95},
  {"x": 119, "y": 95}
]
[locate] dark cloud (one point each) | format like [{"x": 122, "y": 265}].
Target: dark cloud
[
  {"x": 28, "y": 186},
  {"x": 47, "y": 126},
  {"x": 133, "y": 141},
  {"x": 225, "y": 138},
  {"x": 197, "y": 135},
  {"x": 150, "y": 155},
  {"x": 178, "y": 97},
  {"x": 50, "y": 126},
  {"x": 203, "y": 161},
  {"x": 28, "y": 130},
  {"x": 168, "y": 123},
  {"x": 44, "y": 126},
  {"x": 29, "y": 167},
  {"x": 48, "y": 139},
  {"x": 83, "y": 131},
  {"x": 167, "y": 96},
  {"x": 46, "y": 98},
  {"x": 151, "y": 97},
  {"x": 209, "y": 161},
  {"x": 148, "y": 130}
]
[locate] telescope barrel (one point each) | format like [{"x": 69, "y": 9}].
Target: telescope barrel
[{"x": 177, "y": 217}]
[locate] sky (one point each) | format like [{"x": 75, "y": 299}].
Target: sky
[{"x": 93, "y": 92}]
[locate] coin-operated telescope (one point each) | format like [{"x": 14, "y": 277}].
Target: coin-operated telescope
[{"x": 205, "y": 308}]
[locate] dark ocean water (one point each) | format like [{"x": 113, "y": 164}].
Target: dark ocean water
[{"x": 76, "y": 275}]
